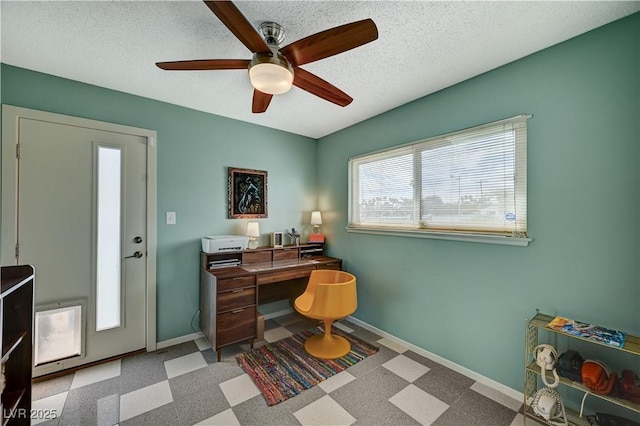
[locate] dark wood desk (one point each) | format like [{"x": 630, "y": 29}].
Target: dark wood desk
[{"x": 230, "y": 295}]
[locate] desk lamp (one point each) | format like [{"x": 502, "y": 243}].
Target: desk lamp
[
  {"x": 253, "y": 231},
  {"x": 316, "y": 221}
]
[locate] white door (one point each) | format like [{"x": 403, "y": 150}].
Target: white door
[{"x": 81, "y": 221}]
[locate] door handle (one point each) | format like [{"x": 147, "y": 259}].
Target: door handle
[{"x": 137, "y": 255}]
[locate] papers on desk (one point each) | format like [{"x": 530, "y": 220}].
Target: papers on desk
[{"x": 226, "y": 263}]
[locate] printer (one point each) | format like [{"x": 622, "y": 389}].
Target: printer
[{"x": 223, "y": 243}]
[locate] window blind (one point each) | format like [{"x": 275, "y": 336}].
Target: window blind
[{"x": 472, "y": 181}]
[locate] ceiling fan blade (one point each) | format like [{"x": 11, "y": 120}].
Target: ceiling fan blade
[
  {"x": 260, "y": 101},
  {"x": 317, "y": 86},
  {"x": 330, "y": 42},
  {"x": 233, "y": 19},
  {"x": 205, "y": 64}
]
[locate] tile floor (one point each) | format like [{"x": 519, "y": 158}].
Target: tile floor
[{"x": 185, "y": 385}]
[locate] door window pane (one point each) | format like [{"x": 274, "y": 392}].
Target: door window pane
[{"x": 109, "y": 266}]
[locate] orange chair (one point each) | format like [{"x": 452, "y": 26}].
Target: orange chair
[{"x": 330, "y": 295}]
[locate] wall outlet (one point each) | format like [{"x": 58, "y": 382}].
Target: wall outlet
[{"x": 171, "y": 218}]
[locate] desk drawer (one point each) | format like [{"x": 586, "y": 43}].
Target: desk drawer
[
  {"x": 236, "y": 299},
  {"x": 285, "y": 275},
  {"x": 237, "y": 282},
  {"x": 286, "y": 253},
  {"x": 256, "y": 257},
  {"x": 236, "y": 325},
  {"x": 337, "y": 265}
]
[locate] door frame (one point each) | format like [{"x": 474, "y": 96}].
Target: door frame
[{"x": 11, "y": 116}]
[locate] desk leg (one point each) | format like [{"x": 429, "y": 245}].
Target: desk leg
[
  {"x": 251, "y": 343},
  {"x": 219, "y": 353}
]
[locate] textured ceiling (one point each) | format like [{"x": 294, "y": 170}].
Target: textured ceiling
[{"x": 423, "y": 47}]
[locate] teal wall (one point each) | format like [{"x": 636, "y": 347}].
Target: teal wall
[
  {"x": 467, "y": 301},
  {"x": 463, "y": 301},
  {"x": 194, "y": 151}
]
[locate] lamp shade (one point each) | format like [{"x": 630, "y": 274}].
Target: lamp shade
[
  {"x": 253, "y": 229},
  {"x": 270, "y": 73},
  {"x": 316, "y": 218},
  {"x": 270, "y": 78}
]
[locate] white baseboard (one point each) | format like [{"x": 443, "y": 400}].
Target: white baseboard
[
  {"x": 278, "y": 313},
  {"x": 194, "y": 336},
  {"x": 440, "y": 360},
  {"x": 178, "y": 340},
  {"x": 490, "y": 383}
]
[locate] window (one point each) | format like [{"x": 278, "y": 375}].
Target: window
[
  {"x": 109, "y": 242},
  {"x": 471, "y": 182}
]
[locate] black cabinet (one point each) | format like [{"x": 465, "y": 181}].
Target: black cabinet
[{"x": 16, "y": 328}]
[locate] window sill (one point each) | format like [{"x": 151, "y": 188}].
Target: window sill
[{"x": 451, "y": 236}]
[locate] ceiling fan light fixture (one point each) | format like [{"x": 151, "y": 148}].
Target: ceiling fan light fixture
[{"x": 271, "y": 74}]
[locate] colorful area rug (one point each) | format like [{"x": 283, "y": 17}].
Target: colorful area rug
[{"x": 283, "y": 369}]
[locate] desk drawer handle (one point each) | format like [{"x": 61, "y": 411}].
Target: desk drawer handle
[
  {"x": 237, "y": 278},
  {"x": 240, "y": 290},
  {"x": 237, "y": 311}
]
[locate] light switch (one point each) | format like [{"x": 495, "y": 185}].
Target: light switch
[{"x": 171, "y": 218}]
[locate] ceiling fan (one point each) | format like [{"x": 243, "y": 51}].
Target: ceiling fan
[{"x": 273, "y": 69}]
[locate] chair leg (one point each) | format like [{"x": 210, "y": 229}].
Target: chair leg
[
  {"x": 327, "y": 329},
  {"x": 327, "y": 345}
]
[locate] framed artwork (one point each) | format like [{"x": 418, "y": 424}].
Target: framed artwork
[{"x": 247, "y": 193}]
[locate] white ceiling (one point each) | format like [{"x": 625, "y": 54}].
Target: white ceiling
[{"x": 423, "y": 47}]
